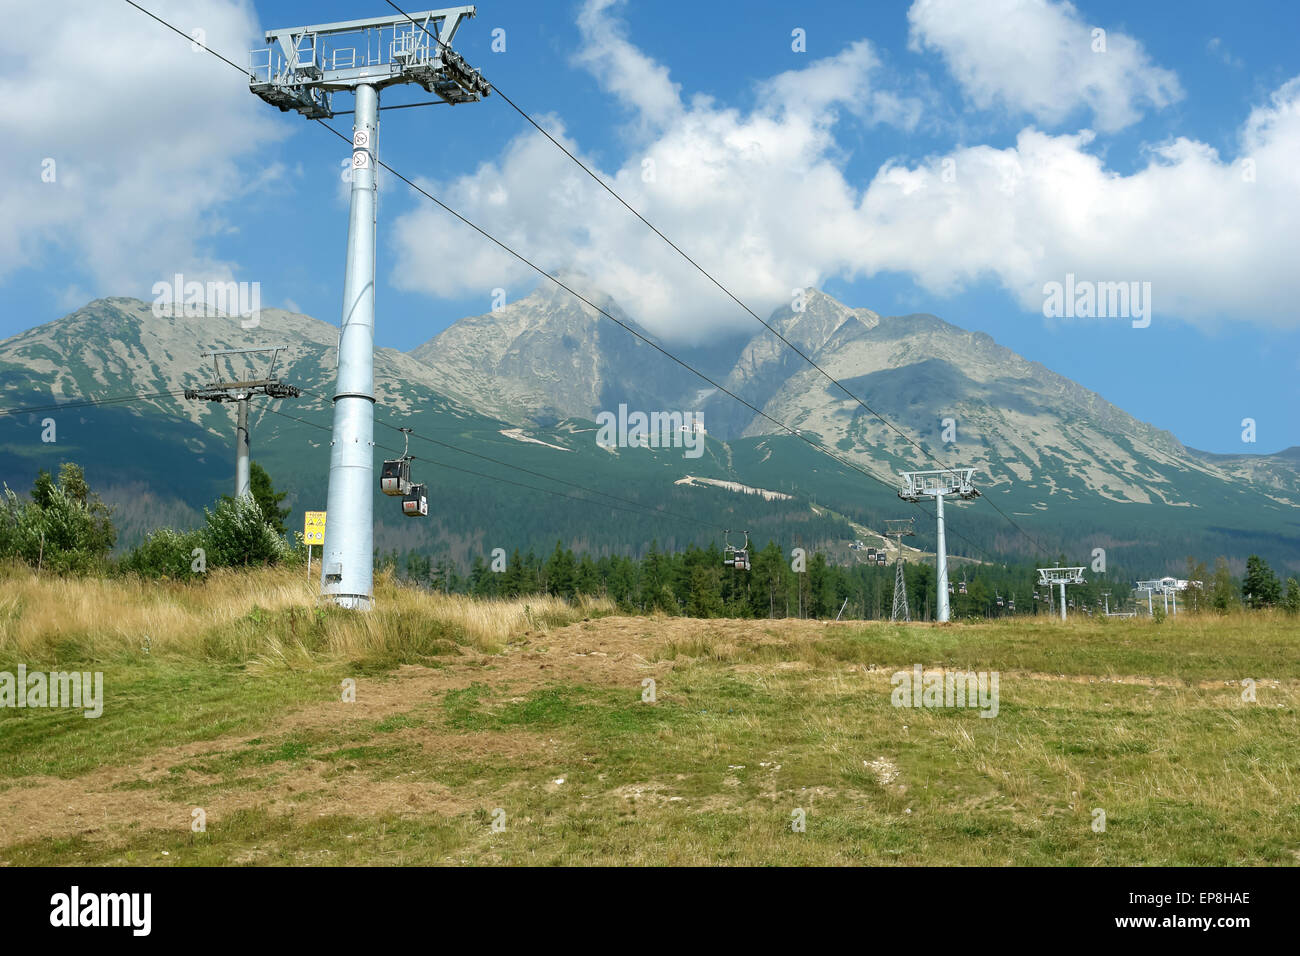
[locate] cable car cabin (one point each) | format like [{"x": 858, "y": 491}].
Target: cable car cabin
[
  {"x": 729, "y": 557},
  {"x": 395, "y": 479},
  {"x": 416, "y": 504},
  {"x": 961, "y": 588},
  {"x": 742, "y": 560},
  {"x": 881, "y": 558},
  {"x": 950, "y": 589}
]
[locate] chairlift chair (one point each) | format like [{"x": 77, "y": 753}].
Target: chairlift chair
[
  {"x": 416, "y": 504},
  {"x": 395, "y": 479},
  {"x": 734, "y": 557}
]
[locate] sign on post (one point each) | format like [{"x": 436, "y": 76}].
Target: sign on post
[
  {"x": 313, "y": 532},
  {"x": 313, "y": 528}
]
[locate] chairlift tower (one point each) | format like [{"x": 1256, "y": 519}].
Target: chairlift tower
[
  {"x": 1060, "y": 577},
  {"x": 1165, "y": 588},
  {"x": 301, "y": 69},
  {"x": 240, "y": 392},
  {"x": 938, "y": 485},
  {"x": 898, "y": 529}
]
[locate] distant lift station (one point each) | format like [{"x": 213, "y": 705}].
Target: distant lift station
[
  {"x": 301, "y": 69},
  {"x": 939, "y": 485}
]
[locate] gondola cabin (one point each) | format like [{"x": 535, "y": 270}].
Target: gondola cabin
[
  {"x": 395, "y": 479},
  {"x": 416, "y": 504}
]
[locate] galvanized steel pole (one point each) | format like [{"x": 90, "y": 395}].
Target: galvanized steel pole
[
  {"x": 243, "y": 486},
  {"x": 347, "y": 563},
  {"x": 942, "y": 561}
]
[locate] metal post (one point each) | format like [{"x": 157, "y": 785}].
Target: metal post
[
  {"x": 347, "y": 560},
  {"x": 243, "y": 485},
  {"x": 1150, "y": 610},
  {"x": 942, "y": 561},
  {"x": 1062, "y": 600}
]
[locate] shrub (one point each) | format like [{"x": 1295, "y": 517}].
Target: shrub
[
  {"x": 238, "y": 536},
  {"x": 64, "y": 528},
  {"x": 166, "y": 554}
]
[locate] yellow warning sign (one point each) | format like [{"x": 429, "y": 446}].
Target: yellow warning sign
[{"x": 313, "y": 528}]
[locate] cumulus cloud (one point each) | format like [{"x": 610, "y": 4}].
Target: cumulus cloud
[
  {"x": 761, "y": 199},
  {"x": 1041, "y": 58},
  {"x": 144, "y": 135},
  {"x": 756, "y": 197},
  {"x": 1214, "y": 235}
]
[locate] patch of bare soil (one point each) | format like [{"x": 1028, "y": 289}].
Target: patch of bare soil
[{"x": 91, "y": 805}]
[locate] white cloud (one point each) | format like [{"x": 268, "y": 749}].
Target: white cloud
[
  {"x": 757, "y": 197},
  {"x": 145, "y": 134},
  {"x": 1214, "y": 235},
  {"x": 761, "y": 200},
  {"x": 1038, "y": 57}
]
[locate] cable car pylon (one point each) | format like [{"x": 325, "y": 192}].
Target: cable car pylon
[
  {"x": 898, "y": 529},
  {"x": 240, "y": 392},
  {"x": 937, "y": 485},
  {"x": 302, "y": 68}
]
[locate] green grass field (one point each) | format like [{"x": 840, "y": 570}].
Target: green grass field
[{"x": 517, "y": 733}]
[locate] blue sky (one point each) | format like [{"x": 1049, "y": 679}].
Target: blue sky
[{"x": 775, "y": 168}]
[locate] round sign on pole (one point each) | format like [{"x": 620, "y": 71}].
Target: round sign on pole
[{"x": 360, "y": 138}]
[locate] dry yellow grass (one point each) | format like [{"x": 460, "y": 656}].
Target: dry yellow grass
[{"x": 269, "y": 615}]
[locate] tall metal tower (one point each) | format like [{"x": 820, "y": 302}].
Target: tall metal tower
[
  {"x": 301, "y": 69},
  {"x": 938, "y": 485},
  {"x": 1060, "y": 577},
  {"x": 219, "y": 391},
  {"x": 898, "y": 529}
]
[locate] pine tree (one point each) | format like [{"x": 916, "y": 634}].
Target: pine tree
[
  {"x": 1260, "y": 587},
  {"x": 267, "y": 498}
]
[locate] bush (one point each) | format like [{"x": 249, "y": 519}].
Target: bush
[
  {"x": 237, "y": 536},
  {"x": 167, "y": 554},
  {"x": 64, "y": 528}
]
